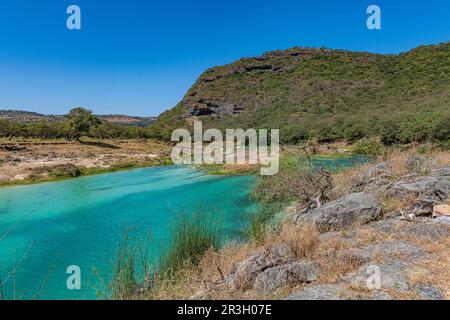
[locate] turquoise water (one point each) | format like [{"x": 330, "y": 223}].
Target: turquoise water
[
  {"x": 80, "y": 222},
  {"x": 341, "y": 162}
]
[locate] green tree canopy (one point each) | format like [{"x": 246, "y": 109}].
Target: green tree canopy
[{"x": 81, "y": 121}]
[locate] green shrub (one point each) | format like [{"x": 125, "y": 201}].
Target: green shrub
[
  {"x": 370, "y": 146},
  {"x": 293, "y": 134},
  {"x": 65, "y": 171},
  {"x": 425, "y": 148}
]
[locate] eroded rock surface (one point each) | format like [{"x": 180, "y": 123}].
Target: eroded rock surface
[
  {"x": 278, "y": 277},
  {"x": 351, "y": 210}
]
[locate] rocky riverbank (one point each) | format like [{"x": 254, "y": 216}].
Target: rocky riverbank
[{"x": 381, "y": 233}]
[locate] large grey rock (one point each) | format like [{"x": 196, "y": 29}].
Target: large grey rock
[
  {"x": 320, "y": 292},
  {"x": 245, "y": 272},
  {"x": 428, "y": 292},
  {"x": 278, "y": 277},
  {"x": 393, "y": 275},
  {"x": 433, "y": 188},
  {"x": 441, "y": 172},
  {"x": 337, "y": 291},
  {"x": 404, "y": 249},
  {"x": 350, "y": 210},
  {"x": 420, "y": 228},
  {"x": 395, "y": 262},
  {"x": 427, "y": 190},
  {"x": 429, "y": 228},
  {"x": 374, "y": 177}
]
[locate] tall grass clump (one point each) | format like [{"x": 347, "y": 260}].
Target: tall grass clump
[
  {"x": 259, "y": 222},
  {"x": 132, "y": 268},
  {"x": 190, "y": 237}
]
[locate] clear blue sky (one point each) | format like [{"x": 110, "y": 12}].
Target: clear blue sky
[{"x": 140, "y": 56}]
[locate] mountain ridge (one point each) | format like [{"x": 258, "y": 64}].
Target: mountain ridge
[
  {"x": 318, "y": 92},
  {"x": 23, "y": 116}
]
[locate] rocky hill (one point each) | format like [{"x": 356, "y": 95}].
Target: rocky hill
[
  {"x": 29, "y": 117},
  {"x": 329, "y": 94}
]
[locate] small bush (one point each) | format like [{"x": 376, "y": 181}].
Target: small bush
[
  {"x": 370, "y": 146},
  {"x": 67, "y": 170},
  {"x": 425, "y": 148}
]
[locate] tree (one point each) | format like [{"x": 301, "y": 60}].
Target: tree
[{"x": 81, "y": 121}]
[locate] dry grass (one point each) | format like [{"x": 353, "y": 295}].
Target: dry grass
[
  {"x": 333, "y": 255},
  {"x": 302, "y": 241},
  {"x": 435, "y": 272}
]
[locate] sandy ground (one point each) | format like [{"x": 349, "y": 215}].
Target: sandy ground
[{"x": 20, "y": 159}]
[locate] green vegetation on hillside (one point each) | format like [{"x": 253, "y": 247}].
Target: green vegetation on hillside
[{"x": 326, "y": 95}]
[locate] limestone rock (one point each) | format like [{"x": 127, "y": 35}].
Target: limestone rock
[
  {"x": 350, "y": 210},
  {"x": 337, "y": 291},
  {"x": 429, "y": 292},
  {"x": 320, "y": 292},
  {"x": 280, "y": 276},
  {"x": 246, "y": 271},
  {"x": 433, "y": 188},
  {"x": 393, "y": 275}
]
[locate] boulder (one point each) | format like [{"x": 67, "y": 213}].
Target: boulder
[
  {"x": 393, "y": 275},
  {"x": 395, "y": 260},
  {"x": 350, "y": 210},
  {"x": 426, "y": 229},
  {"x": 428, "y": 292},
  {"x": 406, "y": 250},
  {"x": 421, "y": 228},
  {"x": 320, "y": 292},
  {"x": 245, "y": 272},
  {"x": 337, "y": 291},
  {"x": 280, "y": 276},
  {"x": 432, "y": 188},
  {"x": 373, "y": 174},
  {"x": 441, "y": 172}
]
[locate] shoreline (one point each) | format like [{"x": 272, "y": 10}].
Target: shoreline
[
  {"x": 35, "y": 162},
  {"x": 39, "y": 161},
  {"x": 85, "y": 172}
]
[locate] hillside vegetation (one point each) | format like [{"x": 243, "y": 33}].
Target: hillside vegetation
[{"x": 325, "y": 95}]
